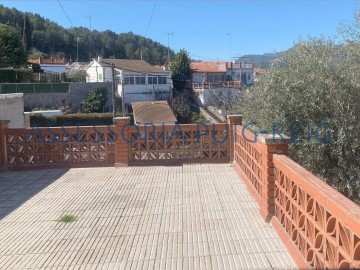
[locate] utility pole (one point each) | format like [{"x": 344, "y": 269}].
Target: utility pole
[
  {"x": 123, "y": 98},
  {"x": 229, "y": 34},
  {"x": 89, "y": 17},
  {"x": 153, "y": 94},
  {"x": 113, "y": 89},
  {"x": 77, "y": 49},
  {"x": 90, "y": 41},
  {"x": 168, "y": 34}
]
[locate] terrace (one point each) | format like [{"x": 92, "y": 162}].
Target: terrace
[{"x": 166, "y": 197}]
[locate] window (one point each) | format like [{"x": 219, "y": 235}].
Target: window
[
  {"x": 152, "y": 79},
  {"x": 100, "y": 77},
  {"x": 129, "y": 79},
  {"x": 162, "y": 80},
  {"x": 140, "y": 79},
  {"x": 157, "y": 79}
]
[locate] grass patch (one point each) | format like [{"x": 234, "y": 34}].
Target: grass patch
[{"x": 67, "y": 218}]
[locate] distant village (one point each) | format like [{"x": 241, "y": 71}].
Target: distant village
[{"x": 216, "y": 84}]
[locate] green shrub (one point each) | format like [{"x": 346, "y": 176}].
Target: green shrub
[
  {"x": 16, "y": 75},
  {"x": 95, "y": 101},
  {"x": 37, "y": 120}
]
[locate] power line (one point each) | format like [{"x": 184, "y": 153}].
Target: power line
[
  {"x": 152, "y": 13},
  {"x": 65, "y": 13}
]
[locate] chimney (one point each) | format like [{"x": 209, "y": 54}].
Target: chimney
[{"x": 99, "y": 59}]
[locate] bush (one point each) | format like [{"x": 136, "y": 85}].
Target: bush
[
  {"x": 16, "y": 75},
  {"x": 75, "y": 75},
  {"x": 185, "y": 107},
  {"x": 95, "y": 101},
  {"x": 37, "y": 120}
]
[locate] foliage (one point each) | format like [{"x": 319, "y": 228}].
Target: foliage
[
  {"x": 95, "y": 101},
  {"x": 76, "y": 75},
  {"x": 37, "y": 120},
  {"x": 67, "y": 218},
  {"x": 16, "y": 75},
  {"x": 26, "y": 34},
  {"x": 12, "y": 52},
  {"x": 316, "y": 82},
  {"x": 50, "y": 38},
  {"x": 185, "y": 108},
  {"x": 182, "y": 72}
]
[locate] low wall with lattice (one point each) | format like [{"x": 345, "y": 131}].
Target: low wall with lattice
[
  {"x": 121, "y": 144},
  {"x": 319, "y": 226}
]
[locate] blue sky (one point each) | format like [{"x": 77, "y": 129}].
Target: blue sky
[{"x": 202, "y": 27}]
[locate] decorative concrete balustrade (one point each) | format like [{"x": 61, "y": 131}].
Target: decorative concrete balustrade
[
  {"x": 319, "y": 226},
  {"x": 121, "y": 144}
]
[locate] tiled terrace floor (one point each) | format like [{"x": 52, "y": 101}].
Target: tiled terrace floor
[{"x": 180, "y": 217}]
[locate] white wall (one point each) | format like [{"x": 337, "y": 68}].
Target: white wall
[
  {"x": 208, "y": 97},
  {"x": 12, "y": 108},
  {"x": 96, "y": 73}
]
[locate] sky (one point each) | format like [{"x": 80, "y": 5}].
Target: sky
[{"x": 208, "y": 30}]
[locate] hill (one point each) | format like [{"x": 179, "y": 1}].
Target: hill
[
  {"x": 45, "y": 36},
  {"x": 263, "y": 60}
]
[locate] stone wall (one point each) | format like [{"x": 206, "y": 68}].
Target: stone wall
[
  {"x": 77, "y": 93},
  {"x": 12, "y": 108}
]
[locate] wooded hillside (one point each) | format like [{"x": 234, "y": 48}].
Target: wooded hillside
[{"x": 42, "y": 35}]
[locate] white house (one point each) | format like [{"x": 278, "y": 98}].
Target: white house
[{"x": 139, "y": 80}]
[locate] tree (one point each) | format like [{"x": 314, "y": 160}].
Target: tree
[
  {"x": 95, "y": 101},
  {"x": 50, "y": 38},
  {"x": 182, "y": 72},
  {"x": 76, "y": 75},
  {"x": 12, "y": 52},
  {"x": 314, "y": 84},
  {"x": 26, "y": 35}
]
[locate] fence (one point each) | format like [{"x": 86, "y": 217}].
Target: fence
[
  {"x": 192, "y": 142},
  {"x": 58, "y": 147},
  {"x": 8, "y": 88},
  {"x": 225, "y": 84},
  {"x": 120, "y": 144},
  {"x": 319, "y": 226},
  {"x": 322, "y": 224}
]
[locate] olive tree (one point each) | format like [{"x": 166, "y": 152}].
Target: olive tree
[{"x": 312, "y": 94}]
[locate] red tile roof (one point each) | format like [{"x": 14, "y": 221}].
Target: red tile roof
[
  {"x": 209, "y": 67},
  {"x": 149, "y": 112}
]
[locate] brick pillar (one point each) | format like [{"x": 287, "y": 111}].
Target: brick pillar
[
  {"x": 122, "y": 147},
  {"x": 4, "y": 124},
  {"x": 233, "y": 121},
  {"x": 272, "y": 144}
]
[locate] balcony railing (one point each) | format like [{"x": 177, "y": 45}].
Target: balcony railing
[{"x": 227, "y": 84}]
